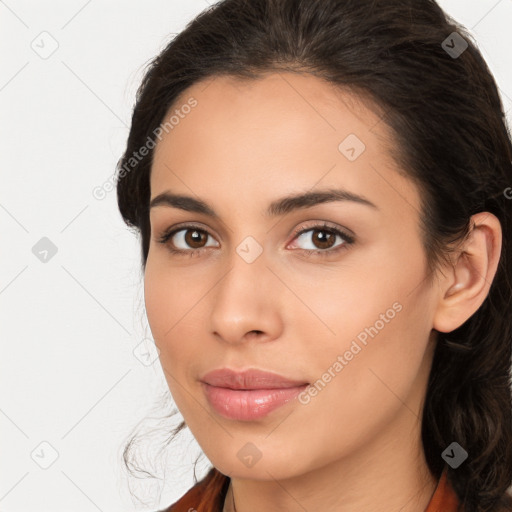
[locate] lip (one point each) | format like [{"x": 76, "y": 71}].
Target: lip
[
  {"x": 249, "y": 379},
  {"x": 250, "y": 394}
]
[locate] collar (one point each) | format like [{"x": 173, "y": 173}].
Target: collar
[{"x": 444, "y": 498}]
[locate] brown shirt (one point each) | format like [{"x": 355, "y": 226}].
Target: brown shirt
[{"x": 200, "y": 497}]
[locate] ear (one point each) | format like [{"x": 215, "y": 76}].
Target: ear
[{"x": 465, "y": 285}]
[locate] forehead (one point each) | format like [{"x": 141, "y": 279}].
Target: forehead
[
  {"x": 282, "y": 132},
  {"x": 297, "y": 100}
]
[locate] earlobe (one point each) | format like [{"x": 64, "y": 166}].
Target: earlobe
[{"x": 466, "y": 284}]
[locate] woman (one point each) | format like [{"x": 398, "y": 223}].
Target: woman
[{"x": 321, "y": 193}]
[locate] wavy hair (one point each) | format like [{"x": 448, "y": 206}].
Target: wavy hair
[{"x": 451, "y": 138}]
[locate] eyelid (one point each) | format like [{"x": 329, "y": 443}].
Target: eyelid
[{"x": 328, "y": 226}]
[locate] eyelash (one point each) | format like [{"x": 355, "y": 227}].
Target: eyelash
[{"x": 348, "y": 239}]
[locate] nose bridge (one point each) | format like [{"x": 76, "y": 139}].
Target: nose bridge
[
  {"x": 243, "y": 301},
  {"x": 247, "y": 273}
]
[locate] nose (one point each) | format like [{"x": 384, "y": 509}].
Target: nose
[{"x": 245, "y": 303}]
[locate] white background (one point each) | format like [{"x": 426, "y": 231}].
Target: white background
[{"x": 69, "y": 376}]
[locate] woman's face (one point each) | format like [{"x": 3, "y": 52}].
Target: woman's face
[{"x": 248, "y": 292}]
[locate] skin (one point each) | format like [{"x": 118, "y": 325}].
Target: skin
[{"x": 356, "y": 445}]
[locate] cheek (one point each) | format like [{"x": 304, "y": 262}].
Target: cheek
[
  {"x": 159, "y": 298},
  {"x": 382, "y": 367},
  {"x": 352, "y": 296},
  {"x": 168, "y": 301},
  {"x": 376, "y": 315}
]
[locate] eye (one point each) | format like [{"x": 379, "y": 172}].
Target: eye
[
  {"x": 185, "y": 238},
  {"x": 321, "y": 239}
]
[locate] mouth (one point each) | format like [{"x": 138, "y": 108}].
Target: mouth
[
  {"x": 250, "y": 394},
  {"x": 248, "y": 404}
]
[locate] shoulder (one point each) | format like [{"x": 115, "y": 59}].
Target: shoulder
[{"x": 207, "y": 495}]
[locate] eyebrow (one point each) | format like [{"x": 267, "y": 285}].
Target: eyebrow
[{"x": 278, "y": 207}]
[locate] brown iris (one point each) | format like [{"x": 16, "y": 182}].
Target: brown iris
[
  {"x": 325, "y": 241},
  {"x": 195, "y": 236}
]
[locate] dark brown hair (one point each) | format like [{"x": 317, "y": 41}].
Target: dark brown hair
[{"x": 451, "y": 138}]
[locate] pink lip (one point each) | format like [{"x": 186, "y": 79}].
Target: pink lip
[
  {"x": 248, "y": 395},
  {"x": 248, "y": 379}
]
